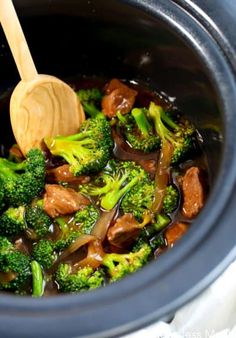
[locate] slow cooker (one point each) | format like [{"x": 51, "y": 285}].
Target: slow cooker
[{"x": 185, "y": 49}]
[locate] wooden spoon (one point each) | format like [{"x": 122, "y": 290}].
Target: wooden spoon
[{"x": 41, "y": 105}]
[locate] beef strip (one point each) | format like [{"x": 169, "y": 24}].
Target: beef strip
[
  {"x": 63, "y": 174},
  {"x": 124, "y": 231},
  {"x": 62, "y": 201},
  {"x": 118, "y": 97},
  {"x": 193, "y": 192},
  {"x": 174, "y": 233}
]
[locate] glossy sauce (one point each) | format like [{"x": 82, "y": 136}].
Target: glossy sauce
[{"x": 121, "y": 151}]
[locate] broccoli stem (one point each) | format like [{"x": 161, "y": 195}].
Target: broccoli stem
[
  {"x": 80, "y": 149},
  {"x": 63, "y": 225},
  {"x": 121, "y": 117},
  {"x": 162, "y": 221},
  {"x": 111, "y": 198},
  {"x": 6, "y": 164},
  {"x": 141, "y": 121},
  {"x": 39, "y": 203},
  {"x": 37, "y": 279},
  {"x": 92, "y": 111},
  {"x": 6, "y": 172},
  {"x": 155, "y": 113},
  {"x": 168, "y": 121},
  {"x": 74, "y": 137}
]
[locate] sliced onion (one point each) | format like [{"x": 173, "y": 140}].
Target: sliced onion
[
  {"x": 94, "y": 256},
  {"x": 101, "y": 226},
  {"x": 98, "y": 234},
  {"x": 95, "y": 250},
  {"x": 162, "y": 176},
  {"x": 78, "y": 243}
]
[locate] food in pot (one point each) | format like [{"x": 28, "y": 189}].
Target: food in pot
[{"x": 98, "y": 205}]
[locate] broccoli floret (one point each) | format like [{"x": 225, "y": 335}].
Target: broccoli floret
[
  {"x": 120, "y": 265},
  {"x": 85, "y": 152},
  {"x": 14, "y": 266},
  {"x": 125, "y": 121},
  {"x": 17, "y": 264},
  {"x": 83, "y": 279},
  {"x": 138, "y": 200},
  {"x": 2, "y": 193},
  {"x": 38, "y": 222},
  {"x": 37, "y": 279},
  {"x": 31, "y": 219},
  {"x": 25, "y": 180},
  {"x": 141, "y": 120},
  {"x": 66, "y": 240},
  {"x": 91, "y": 101},
  {"x": 138, "y": 130},
  {"x": 180, "y": 134},
  {"x": 171, "y": 199},
  {"x": 12, "y": 221},
  {"x": 86, "y": 218},
  {"x": 69, "y": 233},
  {"x": 150, "y": 232},
  {"x": 5, "y": 245},
  {"x": 44, "y": 253},
  {"x": 114, "y": 182}
]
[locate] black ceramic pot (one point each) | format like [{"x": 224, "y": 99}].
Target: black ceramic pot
[{"x": 175, "y": 47}]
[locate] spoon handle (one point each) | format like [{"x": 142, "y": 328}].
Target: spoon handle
[{"x": 16, "y": 40}]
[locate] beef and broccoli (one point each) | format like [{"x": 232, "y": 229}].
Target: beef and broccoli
[{"x": 93, "y": 207}]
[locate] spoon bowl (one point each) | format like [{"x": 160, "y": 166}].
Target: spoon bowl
[{"x": 45, "y": 106}]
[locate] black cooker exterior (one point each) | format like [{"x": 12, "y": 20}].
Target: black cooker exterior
[
  {"x": 157, "y": 291},
  {"x": 218, "y": 17}
]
